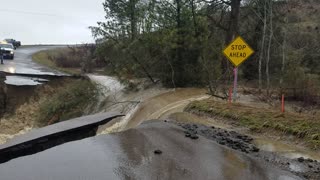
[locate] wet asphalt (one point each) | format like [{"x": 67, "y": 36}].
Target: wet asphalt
[
  {"x": 154, "y": 150},
  {"x": 22, "y": 65}
]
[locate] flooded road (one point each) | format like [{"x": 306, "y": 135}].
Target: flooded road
[
  {"x": 155, "y": 106},
  {"x": 170, "y": 104},
  {"x": 130, "y": 155}
]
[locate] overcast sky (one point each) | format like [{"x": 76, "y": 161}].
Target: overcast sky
[{"x": 49, "y": 21}]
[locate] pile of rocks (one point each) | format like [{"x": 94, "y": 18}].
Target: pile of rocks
[{"x": 231, "y": 139}]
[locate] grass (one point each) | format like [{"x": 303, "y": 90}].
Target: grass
[
  {"x": 302, "y": 126},
  {"x": 43, "y": 57},
  {"x": 67, "y": 102}
]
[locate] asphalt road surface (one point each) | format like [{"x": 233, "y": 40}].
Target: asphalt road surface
[
  {"x": 130, "y": 155},
  {"x": 23, "y": 65}
]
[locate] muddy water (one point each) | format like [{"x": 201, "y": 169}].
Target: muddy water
[
  {"x": 158, "y": 106},
  {"x": 169, "y": 104},
  {"x": 286, "y": 150}
]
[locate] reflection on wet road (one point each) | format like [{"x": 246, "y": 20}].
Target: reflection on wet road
[
  {"x": 23, "y": 65},
  {"x": 130, "y": 155},
  {"x": 286, "y": 150}
]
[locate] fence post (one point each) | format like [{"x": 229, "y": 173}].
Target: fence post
[{"x": 282, "y": 104}]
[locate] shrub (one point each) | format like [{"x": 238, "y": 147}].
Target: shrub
[{"x": 67, "y": 103}]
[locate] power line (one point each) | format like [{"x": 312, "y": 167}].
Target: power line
[
  {"x": 75, "y": 19},
  {"x": 28, "y": 12}
]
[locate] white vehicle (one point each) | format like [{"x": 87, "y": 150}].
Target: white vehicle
[{"x": 7, "y": 50}]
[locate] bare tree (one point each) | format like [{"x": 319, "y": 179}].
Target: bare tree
[
  {"x": 284, "y": 44},
  {"x": 262, "y": 44},
  {"x": 269, "y": 45}
]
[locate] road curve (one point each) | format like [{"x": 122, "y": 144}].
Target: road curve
[
  {"x": 22, "y": 68},
  {"x": 23, "y": 64}
]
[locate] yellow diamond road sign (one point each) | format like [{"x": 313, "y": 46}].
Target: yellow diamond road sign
[{"x": 238, "y": 51}]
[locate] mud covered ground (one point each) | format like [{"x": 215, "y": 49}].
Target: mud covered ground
[{"x": 304, "y": 168}]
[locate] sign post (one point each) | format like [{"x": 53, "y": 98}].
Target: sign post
[{"x": 237, "y": 52}]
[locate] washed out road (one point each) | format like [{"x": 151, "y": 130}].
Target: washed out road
[
  {"x": 22, "y": 65},
  {"x": 130, "y": 155}
]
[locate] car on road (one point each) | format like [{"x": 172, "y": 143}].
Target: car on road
[
  {"x": 15, "y": 43},
  {"x": 7, "y": 50}
]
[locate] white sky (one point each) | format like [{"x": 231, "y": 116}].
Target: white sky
[{"x": 49, "y": 21}]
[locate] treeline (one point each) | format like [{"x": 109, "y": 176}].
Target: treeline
[{"x": 180, "y": 42}]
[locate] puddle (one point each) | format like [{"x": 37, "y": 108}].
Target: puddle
[
  {"x": 24, "y": 81},
  {"x": 296, "y": 168},
  {"x": 286, "y": 150}
]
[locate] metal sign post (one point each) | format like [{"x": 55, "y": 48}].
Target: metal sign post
[
  {"x": 237, "y": 52},
  {"x": 235, "y": 84}
]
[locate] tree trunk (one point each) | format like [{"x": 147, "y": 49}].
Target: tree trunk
[
  {"x": 133, "y": 19},
  {"x": 232, "y": 31},
  {"x": 193, "y": 8},
  {"x": 269, "y": 46},
  {"x": 262, "y": 45},
  {"x": 177, "y": 66},
  {"x": 284, "y": 44}
]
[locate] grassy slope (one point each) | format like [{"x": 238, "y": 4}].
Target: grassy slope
[
  {"x": 56, "y": 101},
  {"x": 42, "y": 57},
  {"x": 305, "y": 127},
  {"x": 66, "y": 102}
]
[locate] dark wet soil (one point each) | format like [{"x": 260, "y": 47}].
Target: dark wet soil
[{"x": 304, "y": 168}]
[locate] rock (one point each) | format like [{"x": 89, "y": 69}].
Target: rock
[
  {"x": 300, "y": 159},
  {"x": 157, "y": 151},
  {"x": 193, "y": 136},
  {"x": 234, "y": 147},
  {"x": 212, "y": 127},
  {"x": 187, "y": 135},
  {"x": 222, "y": 142},
  {"x": 309, "y": 160},
  {"x": 255, "y": 149},
  {"x": 310, "y": 166}
]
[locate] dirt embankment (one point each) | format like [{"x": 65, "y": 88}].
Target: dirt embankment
[{"x": 58, "y": 100}]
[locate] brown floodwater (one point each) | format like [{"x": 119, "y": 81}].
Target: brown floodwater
[
  {"x": 156, "y": 107},
  {"x": 171, "y": 104}
]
